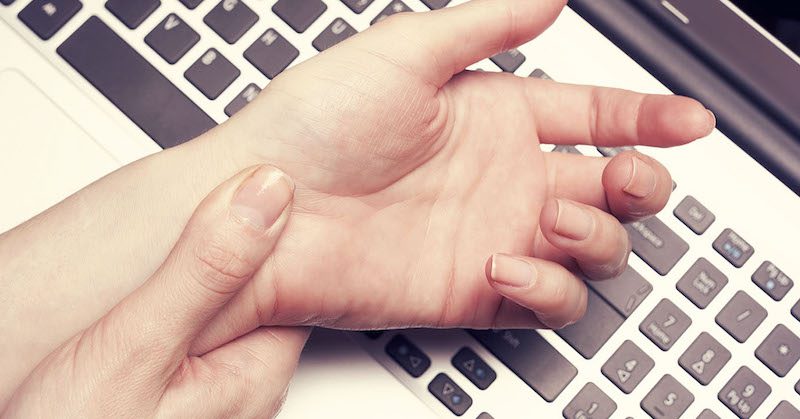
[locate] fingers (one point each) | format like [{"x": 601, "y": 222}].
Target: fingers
[{"x": 556, "y": 296}]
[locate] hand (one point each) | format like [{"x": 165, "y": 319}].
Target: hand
[
  {"x": 133, "y": 362},
  {"x": 411, "y": 174}
]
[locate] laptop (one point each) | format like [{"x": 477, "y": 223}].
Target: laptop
[{"x": 704, "y": 323}]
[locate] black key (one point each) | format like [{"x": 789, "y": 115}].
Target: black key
[
  {"x": 172, "y": 38},
  {"x": 741, "y": 316},
  {"x": 624, "y": 292},
  {"x": 336, "y": 32},
  {"x": 299, "y": 14},
  {"x": 733, "y": 248},
  {"x": 6, "y": 2},
  {"x": 692, "y": 213},
  {"x": 450, "y": 394},
  {"x": 248, "y": 94},
  {"x": 627, "y": 367},
  {"x": 133, "y": 85},
  {"x": 531, "y": 358},
  {"x": 408, "y": 356},
  {"x": 590, "y": 402},
  {"x": 485, "y": 415},
  {"x": 212, "y": 73},
  {"x": 230, "y": 19},
  {"x": 357, "y": 6},
  {"x": 701, "y": 283},
  {"x": 796, "y": 310},
  {"x": 665, "y": 324},
  {"x": 667, "y": 400},
  {"x": 784, "y": 410},
  {"x": 508, "y": 61},
  {"x": 772, "y": 280},
  {"x": 372, "y": 334},
  {"x": 797, "y": 387},
  {"x": 540, "y": 74},
  {"x": 707, "y": 414},
  {"x": 46, "y": 17},
  {"x": 396, "y": 6},
  {"x": 744, "y": 393},
  {"x": 613, "y": 151},
  {"x": 656, "y": 244},
  {"x": 191, "y": 4},
  {"x": 435, "y": 4},
  {"x": 271, "y": 53},
  {"x": 569, "y": 149},
  {"x": 780, "y": 351},
  {"x": 474, "y": 368},
  {"x": 704, "y": 358},
  {"x": 590, "y": 333},
  {"x": 132, "y": 12}
]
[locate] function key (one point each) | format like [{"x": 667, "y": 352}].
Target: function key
[
  {"x": 450, "y": 394},
  {"x": 707, "y": 414},
  {"x": 656, "y": 244},
  {"x": 212, "y": 73},
  {"x": 772, "y": 280},
  {"x": 733, "y": 248},
  {"x": 665, "y": 324},
  {"x": 172, "y": 38},
  {"x": 299, "y": 14},
  {"x": 357, "y": 6},
  {"x": 191, "y": 4},
  {"x": 336, "y": 32},
  {"x": 701, "y": 283},
  {"x": 132, "y": 12},
  {"x": 692, "y": 213},
  {"x": 744, "y": 393},
  {"x": 667, "y": 400},
  {"x": 591, "y": 332},
  {"x": 396, "y": 6},
  {"x": 627, "y": 367},
  {"x": 784, "y": 410},
  {"x": 590, "y": 402},
  {"x": 704, "y": 358},
  {"x": 741, "y": 316},
  {"x": 474, "y": 368},
  {"x": 508, "y": 61},
  {"x": 408, "y": 356},
  {"x": 230, "y": 19},
  {"x": 271, "y": 53},
  {"x": 46, "y": 17},
  {"x": 240, "y": 101},
  {"x": 780, "y": 351}
]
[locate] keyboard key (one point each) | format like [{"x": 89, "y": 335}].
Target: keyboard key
[
  {"x": 744, "y": 393},
  {"x": 372, "y": 334},
  {"x": 707, "y": 414},
  {"x": 212, "y": 73},
  {"x": 780, "y": 351},
  {"x": 627, "y": 367},
  {"x": 540, "y": 74},
  {"x": 741, "y": 316},
  {"x": 590, "y": 333},
  {"x": 6, "y": 2},
  {"x": 772, "y": 280},
  {"x": 191, "y": 4},
  {"x": 665, "y": 324},
  {"x": 784, "y": 410},
  {"x": 299, "y": 14},
  {"x": 613, "y": 151},
  {"x": 172, "y": 38},
  {"x": 131, "y": 83},
  {"x": 271, "y": 53},
  {"x": 704, "y": 358},
  {"x": 435, "y": 4},
  {"x": 508, "y": 61},
  {"x": 590, "y": 402},
  {"x": 396, "y": 6},
  {"x": 248, "y": 94},
  {"x": 230, "y": 19},
  {"x": 656, "y": 244},
  {"x": 474, "y": 368},
  {"x": 797, "y": 387},
  {"x": 796, "y": 310},
  {"x": 450, "y": 394},
  {"x": 132, "y": 12},
  {"x": 531, "y": 358},
  {"x": 733, "y": 248},
  {"x": 625, "y": 292},
  {"x": 667, "y": 400},
  {"x": 336, "y": 32},
  {"x": 692, "y": 213},
  {"x": 485, "y": 415},
  {"x": 408, "y": 356},
  {"x": 569, "y": 149},
  {"x": 357, "y": 6},
  {"x": 46, "y": 17},
  {"x": 701, "y": 283}
]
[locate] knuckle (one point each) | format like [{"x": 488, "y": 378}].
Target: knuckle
[{"x": 220, "y": 267}]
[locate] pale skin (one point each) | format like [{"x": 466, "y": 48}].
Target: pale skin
[{"x": 422, "y": 197}]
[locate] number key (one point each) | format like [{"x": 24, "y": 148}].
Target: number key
[
  {"x": 667, "y": 400},
  {"x": 744, "y": 393},
  {"x": 590, "y": 402},
  {"x": 665, "y": 324}
]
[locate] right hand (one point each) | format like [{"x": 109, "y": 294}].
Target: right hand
[{"x": 411, "y": 174}]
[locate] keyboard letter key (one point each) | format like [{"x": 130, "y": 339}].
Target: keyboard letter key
[
  {"x": 396, "y": 6},
  {"x": 271, "y": 53},
  {"x": 230, "y": 19},
  {"x": 242, "y": 99},
  {"x": 336, "y": 32},
  {"x": 172, "y": 38},
  {"x": 46, "y": 17},
  {"x": 212, "y": 73},
  {"x": 132, "y": 12},
  {"x": 299, "y": 14}
]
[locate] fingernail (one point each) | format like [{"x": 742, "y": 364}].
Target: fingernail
[
  {"x": 572, "y": 221},
  {"x": 642, "y": 181},
  {"x": 713, "y": 120},
  {"x": 510, "y": 271},
  {"x": 262, "y": 197}
]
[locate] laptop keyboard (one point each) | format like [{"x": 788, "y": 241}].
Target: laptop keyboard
[{"x": 170, "y": 114}]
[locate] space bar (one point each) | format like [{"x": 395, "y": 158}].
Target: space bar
[{"x": 132, "y": 84}]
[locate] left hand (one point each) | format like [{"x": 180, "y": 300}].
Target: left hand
[{"x": 133, "y": 362}]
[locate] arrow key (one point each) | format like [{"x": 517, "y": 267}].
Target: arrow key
[
  {"x": 474, "y": 368},
  {"x": 704, "y": 358},
  {"x": 627, "y": 367},
  {"x": 408, "y": 355},
  {"x": 450, "y": 394}
]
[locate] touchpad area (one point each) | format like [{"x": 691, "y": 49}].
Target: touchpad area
[{"x": 44, "y": 155}]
